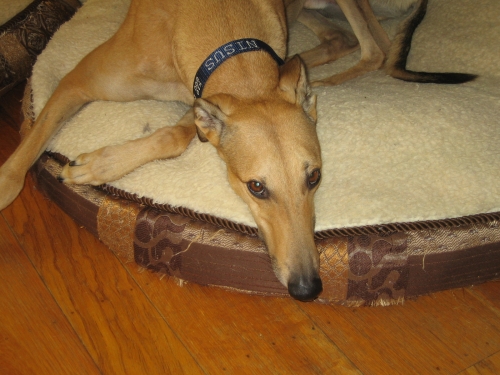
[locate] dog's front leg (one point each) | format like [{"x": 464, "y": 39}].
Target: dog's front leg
[
  {"x": 66, "y": 100},
  {"x": 112, "y": 162}
]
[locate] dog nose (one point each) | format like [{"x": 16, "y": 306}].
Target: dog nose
[{"x": 305, "y": 289}]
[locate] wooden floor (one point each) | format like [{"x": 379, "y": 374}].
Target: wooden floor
[{"x": 69, "y": 306}]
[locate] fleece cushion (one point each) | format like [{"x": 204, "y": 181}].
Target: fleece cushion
[{"x": 410, "y": 182}]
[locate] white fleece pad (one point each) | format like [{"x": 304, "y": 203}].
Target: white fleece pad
[{"x": 392, "y": 151}]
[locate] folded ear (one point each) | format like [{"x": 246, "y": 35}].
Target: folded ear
[
  {"x": 293, "y": 81},
  {"x": 210, "y": 120}
]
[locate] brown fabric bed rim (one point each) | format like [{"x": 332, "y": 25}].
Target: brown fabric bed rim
[
  {"x": 70, "y": 4},
  {"x": 320, "y": 235}
]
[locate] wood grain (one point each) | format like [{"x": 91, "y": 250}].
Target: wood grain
[
  {"x": 122, "y": 331},
  {"x": 35, "y": 336},
  {"x": 435, "y": 334},
  {"x": 488, "y": 366},
  {"x": 489, "y": 292},
  {"x": 245, "y": 333}
]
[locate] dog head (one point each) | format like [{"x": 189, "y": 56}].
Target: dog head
[{"x": 273, "y": 160}]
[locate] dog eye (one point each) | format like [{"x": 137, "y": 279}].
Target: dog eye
[
  {"x": 314, "y": 178},
  {"x": 257, "y": 189}
]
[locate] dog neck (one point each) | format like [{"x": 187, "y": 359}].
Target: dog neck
[{"x": 257, "y": 72}]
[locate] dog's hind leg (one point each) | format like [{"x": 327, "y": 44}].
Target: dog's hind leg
[
  {"x": 372, "y": 55},
  {"x": 112, "y": 162},
  {"x": 379, "y": 34},
  {"x": 335, "y": 42}
]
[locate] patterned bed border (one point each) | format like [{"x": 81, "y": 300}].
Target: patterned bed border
[
  {"x": 376, "y": 267},
  {"x": 24, "y": 36}
]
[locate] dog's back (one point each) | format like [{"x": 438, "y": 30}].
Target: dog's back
[{"x": 185, "y": 32}]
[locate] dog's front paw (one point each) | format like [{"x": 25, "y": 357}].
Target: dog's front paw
[{"x": 95, "y": 168}]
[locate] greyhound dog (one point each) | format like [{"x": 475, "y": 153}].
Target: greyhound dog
[{"x": 257, "y": 111}]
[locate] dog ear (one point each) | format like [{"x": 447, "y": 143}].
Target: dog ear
[
  {"x": 293, "y": 80},
  {"x": 209, "y": 120}
]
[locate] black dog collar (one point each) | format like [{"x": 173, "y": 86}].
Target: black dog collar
[{"x": 223, "y": 53}]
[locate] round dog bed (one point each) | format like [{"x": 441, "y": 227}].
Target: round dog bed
[{"x": 409, "y": 202}]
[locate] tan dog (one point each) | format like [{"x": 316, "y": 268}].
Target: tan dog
[{"x": 261, "y": 117}]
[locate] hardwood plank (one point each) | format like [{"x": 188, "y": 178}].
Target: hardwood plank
[
  {"x": 35, "y": 337},
  {"x": 488, "y": 366},
  {"x": 237, "y": 333},
  {"x": 490, "y": 292},
  {"x": 448, "y": 320},
  {"x": 430, "y": 335},
  {"x": 121, "y": 329}
]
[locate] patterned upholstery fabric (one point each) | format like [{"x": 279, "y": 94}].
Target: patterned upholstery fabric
[
  {"x": 23, "y": 37},
  {"x": 376, "y": 265}
]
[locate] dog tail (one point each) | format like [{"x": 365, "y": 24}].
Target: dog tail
[{"x": 397, "y": 57}]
